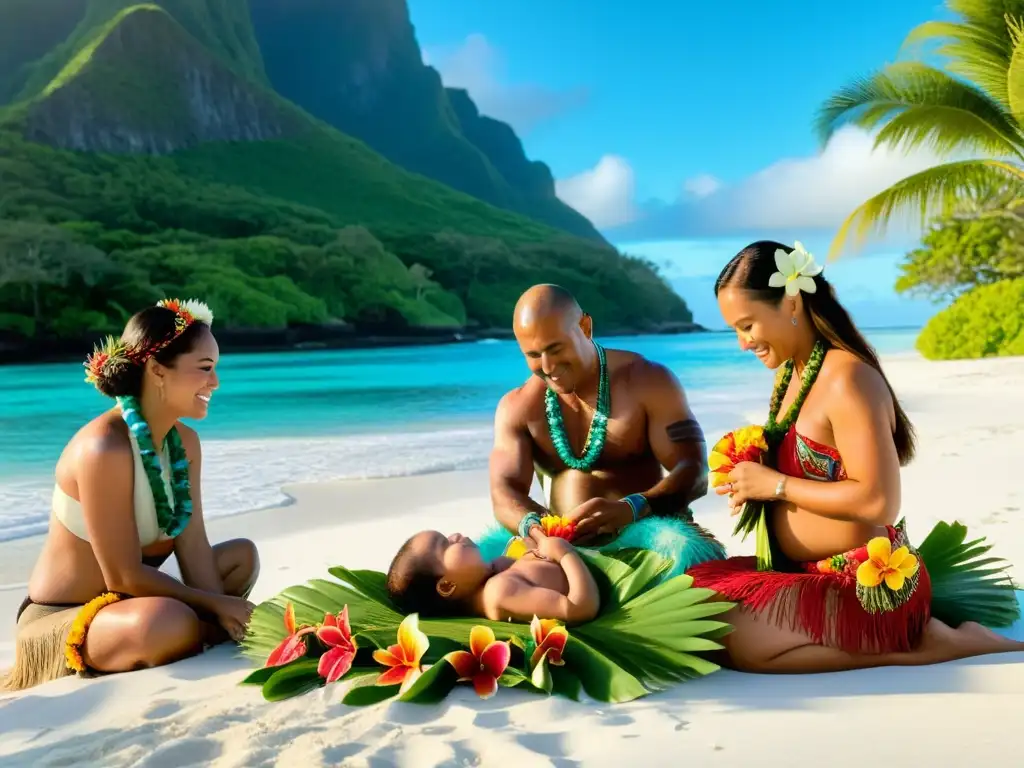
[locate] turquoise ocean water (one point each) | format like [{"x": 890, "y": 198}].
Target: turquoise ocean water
[{"x": 311, "y": 416}]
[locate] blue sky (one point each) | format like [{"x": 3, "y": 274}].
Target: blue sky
[{"x": 685, "y": 130}]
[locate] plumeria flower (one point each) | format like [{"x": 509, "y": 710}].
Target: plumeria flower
[
  {"x": 550, "y": 637},
  {"x": 404, "y": 657},
  {"x": 484, "y": 662},
  {"x": 336, "y": 634},
  {"x": 292, "y": 647},
  {"x": 883, "y": 564},
  {"x": 797, "y": 270}
]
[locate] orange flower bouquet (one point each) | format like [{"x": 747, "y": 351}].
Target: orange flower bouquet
[{"x": 743, "y": 444}]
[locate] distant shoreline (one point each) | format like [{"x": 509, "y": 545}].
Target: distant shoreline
[{"x": 303, "y": 339}]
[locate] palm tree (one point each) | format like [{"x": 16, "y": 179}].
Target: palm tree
[{"x": 973, "y": 106}]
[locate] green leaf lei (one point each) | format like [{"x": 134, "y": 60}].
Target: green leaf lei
[
  {"x": 598, "y": 425},
  {"x": 171, "y": 521},
  {"x": 754, "y": 516}
]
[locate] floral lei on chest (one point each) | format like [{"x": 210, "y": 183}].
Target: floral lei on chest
[
  {"x": 172, "y": 519},
  {"x": 171, "y": 515}
]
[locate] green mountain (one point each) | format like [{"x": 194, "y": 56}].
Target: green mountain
[
  {"x": 356, "y": 65},
  {"x": 149, "y": 149}
]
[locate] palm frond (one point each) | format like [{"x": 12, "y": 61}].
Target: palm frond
[
  {"x": 1015, "y": 71},
  {"x": 935, "y": 191},
  {"x": 919, "y": 105},
  {"x": 648, "y": 635},
  {"x": 965, "y": 585},
  {"x": 987, "y": 14},
  {"x": 978, "y": 54}
]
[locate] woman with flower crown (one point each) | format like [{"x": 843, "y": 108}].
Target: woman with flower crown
[
  {"x": 127, "y": 495},
  {"x": 837, "y": 582}
]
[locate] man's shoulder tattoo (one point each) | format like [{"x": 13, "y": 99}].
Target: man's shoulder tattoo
[{"x": 687, "y": 431}]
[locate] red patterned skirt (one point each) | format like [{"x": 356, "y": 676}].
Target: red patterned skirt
[{"x": 873, "y": 599}]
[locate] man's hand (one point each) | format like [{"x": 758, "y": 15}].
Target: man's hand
[{"x": 599, "y": 517}]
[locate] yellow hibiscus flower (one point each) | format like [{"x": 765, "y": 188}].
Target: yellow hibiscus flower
[{"x": 883, "y": 564}]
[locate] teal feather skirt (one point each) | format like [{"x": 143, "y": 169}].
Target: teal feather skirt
[{"x": 677, "y": 539}]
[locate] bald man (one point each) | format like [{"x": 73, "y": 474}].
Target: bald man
[{"x": 652, "y": 460}]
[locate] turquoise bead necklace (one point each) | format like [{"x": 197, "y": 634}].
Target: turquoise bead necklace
[{"x": 598, "y": 426}]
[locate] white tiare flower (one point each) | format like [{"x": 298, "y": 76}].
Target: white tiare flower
[
  {"x": 797, "y": 270},
  {"x": 199, "y": 310}
]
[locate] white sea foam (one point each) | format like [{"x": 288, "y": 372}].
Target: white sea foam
[{"x": 244, "y": 475}]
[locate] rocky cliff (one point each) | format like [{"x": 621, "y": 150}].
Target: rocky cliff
[
  {"x": 357, "y": 65},
  {"x": 143, "y": 84}
]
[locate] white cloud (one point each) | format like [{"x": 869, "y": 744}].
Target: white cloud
[
  {"x": 701, "y": 186},
  {"x": 796, "y": 195},
  {"x": 477, "y": 67},
  {"x": 820, "y": 191},
  {"x": 604, "y": 194}
]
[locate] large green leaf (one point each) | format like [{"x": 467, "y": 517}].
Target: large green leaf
[
  {"x": 977, "y": 52},
  {"x": 912, "y": 104},
  {"x": 646, "y": 637},
  {"x": 932, "y": 192},
  {"x": 1015, "y": 73},
  {"x": 964, "y": 588}
]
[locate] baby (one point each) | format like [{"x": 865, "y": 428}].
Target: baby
[{"x": 438, "y": 575}]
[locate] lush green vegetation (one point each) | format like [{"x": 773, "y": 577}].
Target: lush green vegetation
[
  {"x": 312, "y": 228},
  {"x": 961, "y": 252},
  {"x": 985, "y": 321},
  {"x": 389, "y": 248},
  {"x": 971, "y": 105},
  {"x": 67, "y": 27}
]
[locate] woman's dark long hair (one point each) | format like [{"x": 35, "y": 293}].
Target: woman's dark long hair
[{"x": 750, "y": 270}]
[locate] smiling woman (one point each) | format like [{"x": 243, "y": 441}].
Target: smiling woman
[{"x": 97, "y": 601}]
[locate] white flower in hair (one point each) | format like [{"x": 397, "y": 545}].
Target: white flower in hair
[
  {"x": 199, "y": 310},
  {"x": 193, "y": 307},
  {"x": 797, "y": 270}
]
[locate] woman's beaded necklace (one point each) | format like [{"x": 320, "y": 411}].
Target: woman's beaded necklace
[
  {"x": 776, "y": 430},
  {"x": 598, "y": 425},
  {"x": 172, "y": 520}
]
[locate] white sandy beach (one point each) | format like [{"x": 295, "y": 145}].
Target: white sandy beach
[{"x": 970, "y": 420}]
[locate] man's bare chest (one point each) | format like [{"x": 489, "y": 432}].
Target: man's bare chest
[{"x": 625, "y": 434}]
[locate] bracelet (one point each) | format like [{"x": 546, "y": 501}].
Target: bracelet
[
  {"x": 636, "y": 501},
  {"x": 780, "y": 488},
  {"x": 527, "y": 523}
]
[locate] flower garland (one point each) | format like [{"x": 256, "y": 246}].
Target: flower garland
[
  {"x": 171, "y": 521},
  {"x": 774, "y": 429},
  {"x": 80, "y": 626},
  {"x": 598, "y": 425},
  {"x": 754, "y": 516}
]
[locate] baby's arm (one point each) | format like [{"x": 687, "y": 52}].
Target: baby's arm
[{"x": 509, "y": 597}]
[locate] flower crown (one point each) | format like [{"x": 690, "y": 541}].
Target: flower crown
[
  {"x": 797, "y": 270},
  {"x": 112, "y": 354}
]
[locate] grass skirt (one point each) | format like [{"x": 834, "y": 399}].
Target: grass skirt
[
  {"x": 825, "y": 601},
  {"x": 39, "y": 646},
  {"x": 678, "y": 540}
]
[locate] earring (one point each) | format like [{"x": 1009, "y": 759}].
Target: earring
[
  {"x": 794, "y": 320},
  {"x": 445, "y": 588}
]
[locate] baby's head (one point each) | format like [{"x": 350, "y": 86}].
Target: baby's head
[{"x": 435, "y": 575}]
